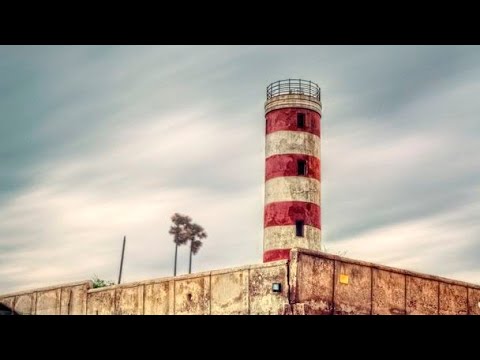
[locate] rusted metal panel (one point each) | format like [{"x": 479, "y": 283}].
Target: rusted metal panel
[
  {"x": 422, "y": 296},
  {"x": 314, "y": 283},
  {"x": 129, "y": 300},
  {"x": 388, "y": 293},
  {"x": 453, "y": 299},
  {"x": 262, "y": 299},
  {"x": 473, "y": 301},
  {"x": 192, "y": 296},
  {"x": 157, "y": 298},
  {"x": 101, "y": 302},
  {"x": 352, "y": 289},
  {"x": 48, "y": 302},
  {"x": 230, "y": 293}
]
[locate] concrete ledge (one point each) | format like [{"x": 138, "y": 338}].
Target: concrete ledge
[
  {"x": 249, "y": 267},
  {"x": 293, "y": 101},
  {"x": 186, "y": 276},
  {"x": 312, "y": 282},
  {"x": 52, "y": 287},
  {"x": 297, "y": 251}
]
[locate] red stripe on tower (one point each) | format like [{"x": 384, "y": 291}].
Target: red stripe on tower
[
  {"x": 277, "y": 254},
  {"x": 291, "y": 165},
  {"x": 291, "y": 118},
  {"x": 292, "y": 168},
  {"x": 289, "y": 212}
]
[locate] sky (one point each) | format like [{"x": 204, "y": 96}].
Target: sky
[{"x": 98, "y": 142}]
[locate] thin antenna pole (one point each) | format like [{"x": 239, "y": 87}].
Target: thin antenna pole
[
  {"x": 121, "y": 261},
  {"x": 190, "y": 262},
  {"x": 175, "y": 264}
]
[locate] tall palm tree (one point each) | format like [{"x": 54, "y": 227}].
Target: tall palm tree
[
  {"x": 180, "y": 233},
  {"x": 195, "y": 233}
]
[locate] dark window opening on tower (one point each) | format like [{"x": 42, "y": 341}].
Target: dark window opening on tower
[
  {"x": 302, "y": 167},
  {"x": 300, "y": 120},
  {"x": 299, "y": 225}
]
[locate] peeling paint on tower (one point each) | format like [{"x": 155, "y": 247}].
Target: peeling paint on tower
[{"x": 292, "y": 213}]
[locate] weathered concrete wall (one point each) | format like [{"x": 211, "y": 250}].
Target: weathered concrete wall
[
  {"x": 262, "y": 300},
  {"x": 129, "y": 300},
  {"x": 101, "y": 302},
  {"x": 453, "y": 299},
  {"x": 230, "y": 292},
  {"x": 25, "y": 304},
  {"x": 54, "y": 300},
  {"x": 8, "y": 301},
  {"x": 422, "y": 296},
  {"x": 327, "y": 284},
  {"x": 312, "y": 282},
  {"x": 159, "y": 298},
  {"x": 352, "y": 288},
  {"x": 48, "y": 302},
  {"x": 388, "y": 293},
  {"x": 474, "y": 301},
  {"x": 192, "y": 295},
  {"x": 245, "y": 290}
]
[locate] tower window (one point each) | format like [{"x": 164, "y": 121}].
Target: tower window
[
  {"x": 300, "y": 120},
  {"x": 302, "y": 167},
  {"x": 299, "y": 225}
]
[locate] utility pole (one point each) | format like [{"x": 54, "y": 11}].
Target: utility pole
[
  {"x": 121, "y": 261},
  {"x": 175, "y": 264}
]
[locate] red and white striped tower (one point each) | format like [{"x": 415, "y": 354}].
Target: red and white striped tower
[{"x": 292, "y": 168}]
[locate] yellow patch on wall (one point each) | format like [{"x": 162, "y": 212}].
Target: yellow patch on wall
[{"x": 343, "y": 279}]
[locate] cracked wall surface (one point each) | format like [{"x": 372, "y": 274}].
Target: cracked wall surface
[
  {"x": 244, "y": 290},
  {"x": 321, "y": 283},
  {"x": 312, "y": 283}
]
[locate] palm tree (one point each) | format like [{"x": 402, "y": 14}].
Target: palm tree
[
  {"x": 180, "y": 234},
  {"x": 195, "y": 233}
]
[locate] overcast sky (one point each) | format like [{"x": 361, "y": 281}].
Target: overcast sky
[{"x": 104, "y": 141}]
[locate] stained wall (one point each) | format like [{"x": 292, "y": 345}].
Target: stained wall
[{"x": 311, "y": 282}]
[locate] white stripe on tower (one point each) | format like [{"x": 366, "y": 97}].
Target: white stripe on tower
[
  {"x": 292, "y": 142},
  {"x": 283, "y": 237},
  {"x": 292, "y": 188}
]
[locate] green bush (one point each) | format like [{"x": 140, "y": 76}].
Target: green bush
[{"x": 98, "y": 283}]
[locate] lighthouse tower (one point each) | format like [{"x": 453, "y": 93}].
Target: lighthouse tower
[{"x": 292, "y": 168}]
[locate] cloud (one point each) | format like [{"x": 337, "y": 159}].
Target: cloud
[
  {"x": 105, "y": 141},
  {"x": 434, "y": 244},
  {"x": 132, "y": 183}
]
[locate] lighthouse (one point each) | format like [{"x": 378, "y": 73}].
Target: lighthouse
[{"x": 292, "y": 214}]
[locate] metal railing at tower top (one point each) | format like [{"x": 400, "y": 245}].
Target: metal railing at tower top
[{"x": 293, "y": 86}]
